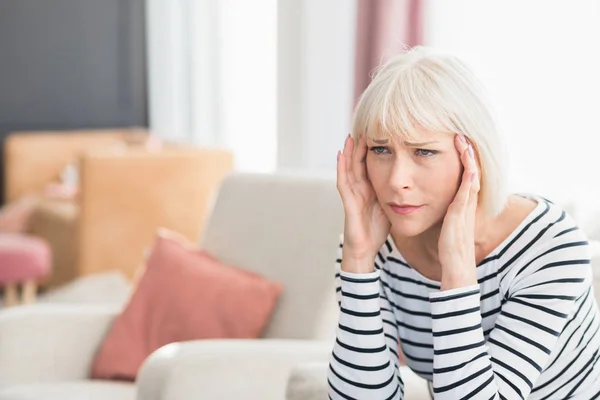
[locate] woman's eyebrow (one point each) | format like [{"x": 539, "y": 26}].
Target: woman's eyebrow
[
  {"x": 408, "y": 144},
  {"x": 380, "y": 141},
  {"x": 419, "y": 144}
]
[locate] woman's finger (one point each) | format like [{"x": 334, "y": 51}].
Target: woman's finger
[
  {"x": 467, "y": 158},
  {"x": 348, "y": 150},
  {"x": 359, "y": 167},
  {"x": 473, "y": 176},
  {"x": 475, "y": 186},
  {"x": 342, "y": 182}
]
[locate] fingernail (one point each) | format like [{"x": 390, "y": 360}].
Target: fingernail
[
  {"x": 470, "y": 149},
  {"x": 461, "y": 138},
  {"x": 473, "y": 176}
]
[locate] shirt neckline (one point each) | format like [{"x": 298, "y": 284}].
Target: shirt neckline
[{"x": 541, "y": 205}]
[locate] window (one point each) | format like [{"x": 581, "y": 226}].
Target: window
[{"x": 539, "y": 61}]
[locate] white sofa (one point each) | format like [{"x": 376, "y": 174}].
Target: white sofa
[{"x": 284, "y": 227}]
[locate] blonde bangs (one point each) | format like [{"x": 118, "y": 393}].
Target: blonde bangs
[{"x": 399, "y": 103}]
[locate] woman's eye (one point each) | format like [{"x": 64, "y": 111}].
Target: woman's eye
[
  {"x": 379, "y": 150},
  {"x": 425, "y": 153}
]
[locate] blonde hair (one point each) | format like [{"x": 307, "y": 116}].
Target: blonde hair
[{"x": 423, "y": 88}]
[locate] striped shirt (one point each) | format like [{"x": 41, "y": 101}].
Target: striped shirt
[{"x": 528, "y": 329}]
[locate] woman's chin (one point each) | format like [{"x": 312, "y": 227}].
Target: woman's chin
[{"x": 407, "y": 228}]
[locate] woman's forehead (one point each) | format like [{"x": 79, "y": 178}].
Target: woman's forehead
[{"x": 417, "y": 136}]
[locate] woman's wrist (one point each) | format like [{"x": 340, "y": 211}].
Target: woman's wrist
[
  {"x": 358, "y": 264},
  {"x": 458, "y": 279}
]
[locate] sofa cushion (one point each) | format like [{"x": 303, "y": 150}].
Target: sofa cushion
[
  {"x": 77, "y": 390},
  {"x": 184, "y": 294},
  {"x": 303, "y": 215}
]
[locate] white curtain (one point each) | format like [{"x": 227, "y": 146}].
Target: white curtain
[
  {"x": 316, "y": 47},
  {"x": 269, "y": 79},
  {"x": 212, "y": 76}
]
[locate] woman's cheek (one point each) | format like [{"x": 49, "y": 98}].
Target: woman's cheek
[
  {"x": 450, "y": 165},
  {"x": 444, "y": 172},
  {"x": 372, "y": 171}
]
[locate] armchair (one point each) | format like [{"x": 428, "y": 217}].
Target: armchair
[{"x": 283, "y": 227}]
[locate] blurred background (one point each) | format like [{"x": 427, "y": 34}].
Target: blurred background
[
  {"x": 120, "y": 117},
  {"x": 104, "y": 103},
  {"x": 275, "y": 81}
]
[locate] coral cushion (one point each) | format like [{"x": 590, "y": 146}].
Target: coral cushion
[{"x": 183, "y": 294}]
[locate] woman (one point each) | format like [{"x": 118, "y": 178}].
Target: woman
[{"x": 488, "y": 294}]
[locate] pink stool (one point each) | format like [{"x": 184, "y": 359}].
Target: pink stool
[{"x": 24, "y": 261}]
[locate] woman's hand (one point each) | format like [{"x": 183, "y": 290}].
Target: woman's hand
[
  {"x": 456, "y": 246},
  {"x": 366, "y": 225}
]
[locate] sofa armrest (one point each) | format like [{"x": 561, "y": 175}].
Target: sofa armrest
[
  {"x": 225, "y": 369},
  {"x": 308, "y": 381},
  {"x": 50, "y": 342}
]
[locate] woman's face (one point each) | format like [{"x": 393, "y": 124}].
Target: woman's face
[{"x": 425, "y": 173}]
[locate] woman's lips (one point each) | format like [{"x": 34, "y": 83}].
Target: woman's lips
[{"x": 404, "y": 210}]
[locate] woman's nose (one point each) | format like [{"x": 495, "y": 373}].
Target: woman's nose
[{"x": 402, "y": 175}]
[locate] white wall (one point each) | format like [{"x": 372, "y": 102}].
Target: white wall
[
  {"x": 540, "y": 61},
  {"x": 315, "y": 81},
  {"x": 247, "y": 78}
]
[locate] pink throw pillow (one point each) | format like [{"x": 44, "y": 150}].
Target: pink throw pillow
[{"x": 183, "y": 294}]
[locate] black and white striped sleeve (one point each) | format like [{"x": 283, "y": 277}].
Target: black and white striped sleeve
[
  {"x": 364, "y": 361},
  {"x": 542, "y": 294}
]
